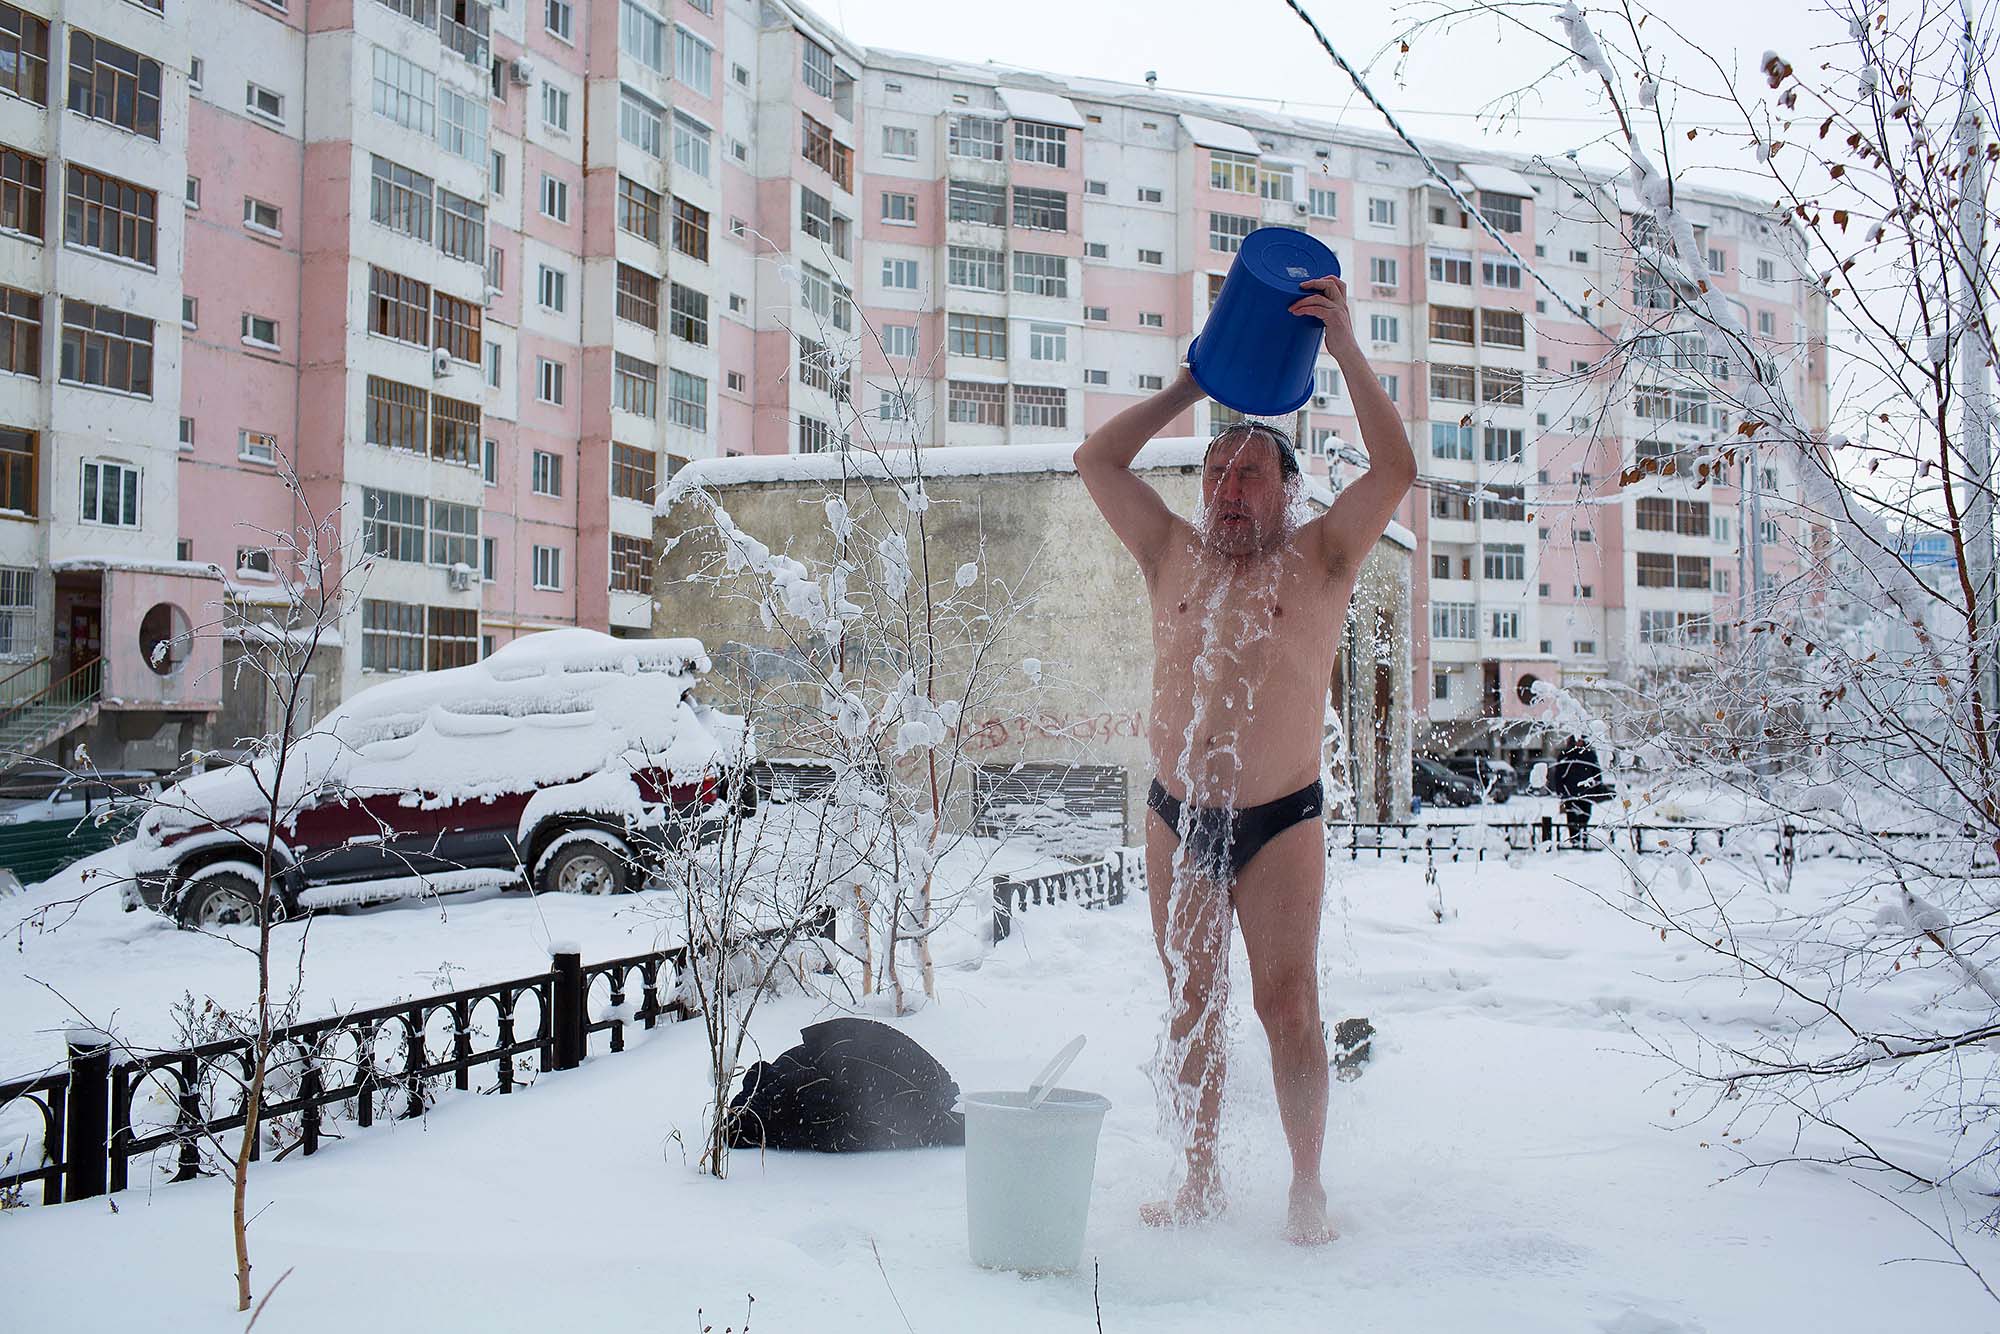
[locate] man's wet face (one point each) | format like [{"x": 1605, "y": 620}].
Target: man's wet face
[{"x": 1243, "y": 494}]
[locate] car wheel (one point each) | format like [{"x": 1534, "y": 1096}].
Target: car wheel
[
  {"x": 587, "y": 866},
  {"x": 228, "y": 898}
]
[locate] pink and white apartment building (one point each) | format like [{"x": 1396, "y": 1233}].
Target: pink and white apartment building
[{"x": 480, "y": 277}]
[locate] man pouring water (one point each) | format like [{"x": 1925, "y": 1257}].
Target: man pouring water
[{"x": 1247, "y": 606}]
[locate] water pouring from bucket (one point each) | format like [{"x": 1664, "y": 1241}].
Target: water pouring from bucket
[
  {"x": 1253, "y": 354},
  {"x": 1030, "y": 1156}
]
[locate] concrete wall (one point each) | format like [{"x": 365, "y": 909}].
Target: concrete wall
[{"x": 1081, "y": 610}]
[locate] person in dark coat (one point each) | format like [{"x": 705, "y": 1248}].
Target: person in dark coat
[{"x": 1578, "y": 779}]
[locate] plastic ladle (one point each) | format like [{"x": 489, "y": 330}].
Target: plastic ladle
[{"x": 1045, "y": 1082}]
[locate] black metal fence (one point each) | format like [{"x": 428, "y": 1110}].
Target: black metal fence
[
  {"x": 109, "y": 1108},
  {"x": 1100, "y": 884},
  {"x": 1786, "y": 844}
]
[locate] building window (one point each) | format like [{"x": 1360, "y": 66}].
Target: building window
[
  {"x": 691, "y": 144},
  {"x": 24, "y": 56},
  {"x": 462, "y": 230},
  {"x": 555, "y": 103},
  {"x": 399, "y": 199},
  {"x": 1503, "y": 211},
  {"x": 109, "y": 83},
  {"x": 976, "y": 403},
  {"x": 20, "y": 332},
  {"x": 690, "y": 228},
  {"x": 687, "y": 314},
  {"x": 111, "y": 216},
  {"x": 1505, "y": 560},
  {"x": 635, "y": 386},
  {"x": 976, "y": 336},
  {"x": 20, "y": 457},
  {"x": 816, "y": 67},
  {"x": 1382, "y": 271},
  {"x": 816, "y": 437},
  {"x": 633, "y": 472},
  {"x": 1506, "y": 624},
  {"x": 552, "y": 289},
  {"x": 1504, "y": 504},
  {"x": 264, "y": 104},
  {"x": 256, "y": 446},
  {"x": 1227, "y": 230},
  {"x": 974, "y": 136},
  {"x": 899, "y": 340},
  {"x": 643, "y": 36},
  {"x": 1234, "y": 172},
  {"x": 1382, "y": 212},
  {"x": 489, "y": 461},
  {"x": 694, "y": 62},
  {"x": 110, "y": 494},
  {"x": 687, "y": 401},
  {"x": 976, "y": 267},
  {"x": 1041, "y": 405},
  {"x": 545, "y": 473},
  {"x": 642, "y": 123},
  {"x": 1451, "y": 266},
  {"x": 392, "y": 525},
  {"x": 107, "y": 348},
  {"x": 1322, "y": 203},
  {"x": 557, "y": 17},
  {"x": 638, "y": 296},
  {"x": 1502, "y": 328},
  {"x": 969, "y": 201},
  {"x": 899, "y": 274},
  {"x": 899, "y": 141},
  {"x": 1041, "y": 275},
  {"x": 1048, "y": 342},
  {"x": 1041, "y": 210},
  {"x": 1451, "y": 383},
  {"x": 1046, "y": 144},
  {"x": 1503, "y": 444},
  {"x": 399, "y": 307},
  {"x": 1500, "y": 273},
  {"x": 496, "y": 175},
  {"x": 555, "y": 198},
  {"x": 1152, "y": 319},
  {"x": 1449, "y": 440},
  {"x": 639, "y": 211},
  {"x": 1451, "y": 324},
  {"x": 548, "y": 568},
  {"x": 392, "y": 636},
  {"x": 457, "y": 328},
  {"x": 405, "y": 92},
  {"x": 1453, "y": 620},
  {"x": 398, "y": 415},
  {"x": 631, "y": 564},
  {"x": 21, "y": 194},
  {"x": 548, "y": 381},
  {"x": 899, "y": 208}
]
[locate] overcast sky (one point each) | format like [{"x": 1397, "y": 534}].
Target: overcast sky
[{"x": 1259, "y": 49}]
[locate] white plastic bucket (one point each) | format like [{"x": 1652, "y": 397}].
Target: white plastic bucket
[{"x": 1028, "y": 1175}]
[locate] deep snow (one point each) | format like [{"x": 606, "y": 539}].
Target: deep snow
[{"x": 1510, "y": 1160}]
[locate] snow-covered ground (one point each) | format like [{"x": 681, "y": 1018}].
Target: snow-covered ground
[{"x": 1512, "y": 1159}]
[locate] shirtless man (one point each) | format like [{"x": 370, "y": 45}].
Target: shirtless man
[{"x": 1247, "y": 613}]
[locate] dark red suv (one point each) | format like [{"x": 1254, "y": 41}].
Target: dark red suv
[{"x": 566, "y": 761}]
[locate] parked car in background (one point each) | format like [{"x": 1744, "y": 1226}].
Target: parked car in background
[
  {"x": 1496, "y": 780},
  {"x": 567, "y": 761},
  {"x": 1435, "y": 785},
  {"x": 49, "y": 793}
]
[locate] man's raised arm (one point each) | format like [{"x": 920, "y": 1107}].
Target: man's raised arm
[{"x": 1104, "y": 461}]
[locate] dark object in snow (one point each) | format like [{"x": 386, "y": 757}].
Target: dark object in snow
[
  {"x": 851, "y": 1084},
  {"x": 1351, "y": 1047}
]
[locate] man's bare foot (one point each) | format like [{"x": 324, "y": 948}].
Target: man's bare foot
[
  {"x": 1306, "y": 1222},
  {"x": 1193, "y": 1203}
]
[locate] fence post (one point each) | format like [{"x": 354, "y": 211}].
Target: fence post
[
  {"x": 566, "y": 1022},
  {"x": 1003, "y": 908},
  {"x": 1789, "y": 851},
  {"x": 1548, "y": 830},
  {"x": 87, "y": 1116}
]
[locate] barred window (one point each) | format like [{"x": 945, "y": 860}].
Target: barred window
[
  {"x": 112, "y": 349},
  {"x": 638, "y": 210},
  {"x": 17, "y": 606},
  {"x": 454, "y": 431},
  {"x": 1451, "y": 383},
  {"x": 976, "y": 403},
  {"x": 969, "y": 201},
  {"x": 1656, "y": 569},
  {"x": 461, "y": 227},
  {"x": 687, "y": 400},
  {"x": 1041, "y": 275},
  {"x": 631, "y": 564},
  {"x": 20, "y": 332},
  {"x": 399, "y": 307},
  {"x": 398, "y": 198},
  {"x": 638, "y": 297},
  {"x": 1451, "y": 324},
  {"x": 22, "y": 206},
  {"x": 24, "y": 55},
  {"x": 1234, "y": 172},
  {"x": 975, "y": 137},
  {"x": 977, "y": 336},
  {"x": 635, "y": 386},
  {"x": 976, "y": 267},
  {"x": 454, "y": 637},
  {"x": 687, "y": 314},
  {"x": 454, "y": 534},
  {"x": 1502, "y": 328},
  {"x": 107, "y": 82},
  {"x": 1035, "y": 142},
  {"x": 405, "y": 92},
  {"x": 690, "y": 229},
  {"x": 392, "y": 636},
  {"x": 20, "y": 458},
  {"x": 633, "y": 472},
  {"x": 398, "y": 415},
  {"x": 1041, "y": 405},
  {"x": 1041, "y": 210},
  {"x": 457, "y": 328},
  {"x": 1498, "y": 384},
  {"x": 392, "y": 525}
]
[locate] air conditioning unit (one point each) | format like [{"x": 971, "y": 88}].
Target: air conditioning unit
[
  {"x": 440, "y": 363},
  {"x": 461, "y": 577},
  {"x": 1320, "y": 400},
  {"x": 521, "y": 71},
  {"x": 1300, "y": 207}
]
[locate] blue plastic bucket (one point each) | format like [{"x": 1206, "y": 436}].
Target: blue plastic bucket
[{"x": 1254, "y": 355}]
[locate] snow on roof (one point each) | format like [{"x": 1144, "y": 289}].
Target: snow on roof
[
  {"x": 1214, "y": 134},
  {"x": 942, "y": 461},
  {"x": 195, "y": 569},
  {"x": 1048, "y": 108},
  {"x": 1497, "y": 180},
  {"x": 545, "y": 709}
]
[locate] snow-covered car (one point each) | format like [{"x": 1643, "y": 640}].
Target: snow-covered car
[
  {"x": 71, "y": 796},
  {"x": 565, "y": 761}
]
